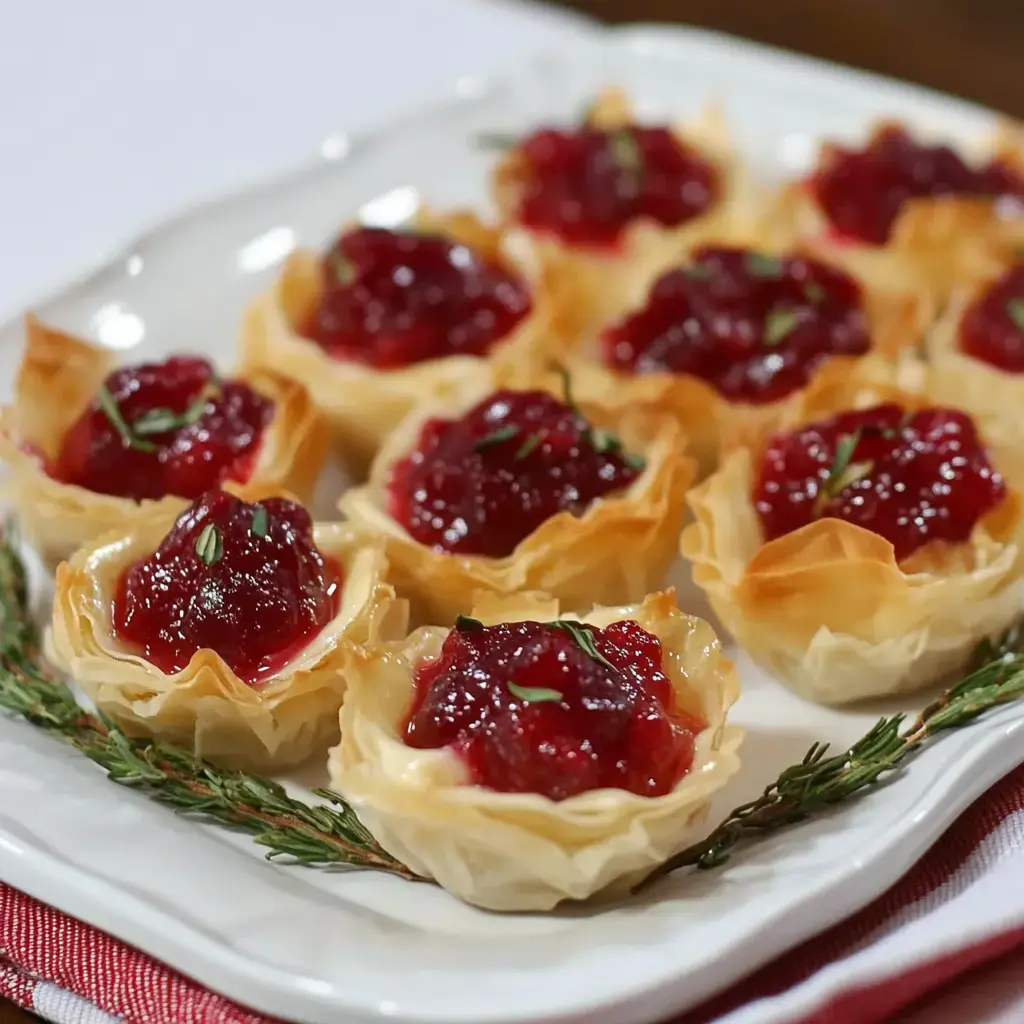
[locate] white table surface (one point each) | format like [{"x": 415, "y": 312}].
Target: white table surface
[{"x": 117, "y": 112}]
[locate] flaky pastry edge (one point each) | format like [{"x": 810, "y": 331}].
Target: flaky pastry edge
[
  {"x": 205, "y": 706},
  {"x": 827, "y": 609},
  {"x": 617, "y": 551},
  {"x": 58, "y": 378},
  {"x": 364, "y": 404},
  {"x": 521, "y": 851}
]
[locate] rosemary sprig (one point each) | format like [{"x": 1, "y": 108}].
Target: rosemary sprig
[
  {"x": 817, "y": 782},
  {"x": 1015, "y": 311},
  {"x": 312, "y": 835},
  {"x": 331, "y": 834},
  {"x": 108, "y": 403}
]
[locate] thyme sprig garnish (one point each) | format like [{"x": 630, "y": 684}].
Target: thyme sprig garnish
[
  {"x": 760, "y": 264},
  {"x": 108, "y": 403},
  {"x": 330, "y": 834},
  {"x": 819, "y": 782},
  {"x": 778, "y": 324},
  {"x": 158, "y": 420},
  {"x": 842, "y": 472},
  {"x": 1015, "y": 311},
  {"x": 535, "y": 694},
  {"x": 583, "y": 639},
  {"x": 324, "y": 834},
  {"x": 626, "y": 152},
  {"x": 497, "y": 436},
  {"x": 209, "y": 545},
  {"x": 604, "y": 442}
]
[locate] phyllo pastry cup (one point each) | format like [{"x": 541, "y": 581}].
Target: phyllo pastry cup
[
  {"x": 597, "y": 283},
  {"x": 934, "y": 241},
  {"x": 827, "y": 608},
  {"x": 992, "y": 393},
  {"x": 515, "y": 851},
  {"x": 895, "y": 322},
  {"x": 617, "y": 550},
  {"x": 59, "y": 379},
  {"x": 280, "y": 721},
  {"x": 362, "y": 403}
]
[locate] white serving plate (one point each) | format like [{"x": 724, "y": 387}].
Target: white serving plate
[{"x": 335, "y": 948}]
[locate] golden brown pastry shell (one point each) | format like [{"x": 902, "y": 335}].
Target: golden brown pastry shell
[
  {"x": 521, "y": 851},
  {"x": 896, "y": 321},
  {"x": 364, "y": 404},
  {"x": 596, "y": 285},
  {"x": 617, "y": 551},
  {"x": 827, "y": 609},
  {"x": 281, "y": 722},
  {"x": 935, "y": 242},
  {"x": 58, "y": 379},
  {"x": 991, "y": 395}
]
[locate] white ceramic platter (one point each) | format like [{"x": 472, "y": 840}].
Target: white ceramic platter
[{"x": 336, "y": 948}]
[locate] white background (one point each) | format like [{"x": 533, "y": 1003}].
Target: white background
[{"x": 118, "y": 112}]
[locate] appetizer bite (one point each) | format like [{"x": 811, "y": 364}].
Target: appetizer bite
[
  {"x": 726, "y": 342},
  {"x": 976, "y": 350},
  {"x": 510, "y": 490},
  {"x": 522, "y": 759},
  {"x": 91, "y": 448},
  {"x": 898, "y": 208},
  {"x": 601, "y": 207},
  {"x": 387, "y": 317},
  {"x": 226, "y": 630},
  {"x": 862, "y": 553}
]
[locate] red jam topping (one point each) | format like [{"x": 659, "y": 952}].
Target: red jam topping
[
  {"x": 244, "y": 580},
  {"x": 992, "y": 329},
  {"x": 164, "y": 428},
  {"x": 910, "y": 477},
  {"x": 480, "y": 484},
  {"x": 586, "y": 185},
  {"x": 552, "y": 709},
  {"x": 861, "y": 192},
  {"x": 753, "y": 326},
  {"x": 394, "y": 298}
]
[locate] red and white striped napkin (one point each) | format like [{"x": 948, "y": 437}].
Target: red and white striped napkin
[{"x": 960, "y": 907}]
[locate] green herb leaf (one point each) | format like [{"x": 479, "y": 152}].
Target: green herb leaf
[
  {"x": 496, "y": 140},
  {"x": 534, "y": 694},
  {"x": 604, "y": 441},
  {"x": 778, "y": 324},
  {"x": 209, "y": 545},
  {"x": 1015, "y": 311},
  {"x": 760, "y": 264},
  {"x": 634, "y": 461},
  {"x": 530, "y": 444},
  {"x": 343, "y": 269},
  {"x": 625, "y": 150},
  {"x": 260, "y": 525},
  {"x": 814, "y": 292},
  {"x": 467, "y": 624},
  {"x": 699, "y": 271},
  {"x": 842, "y": 473},
  {"x": 161, "y": 419},
  {"x": 505, "y": 433},
  {"x": 112, "y": 411},
  {"x": 584, "y": 640}
]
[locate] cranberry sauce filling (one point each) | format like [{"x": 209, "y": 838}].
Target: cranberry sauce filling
[
  {"x": 394, "y": 298},
  {"x": 992, "y": 329},
  {"x": 910, "y": 477},
  {"x": 553, "y": 709},
  {"x": 480, "y": 484},
  {"x": 244, "y": 580},
  {"x": 753, "y": 326},
  {"x": 164, "y": 428},
  {"x": 584, "y": 185},
  {"x": 861, "y": 192}
]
